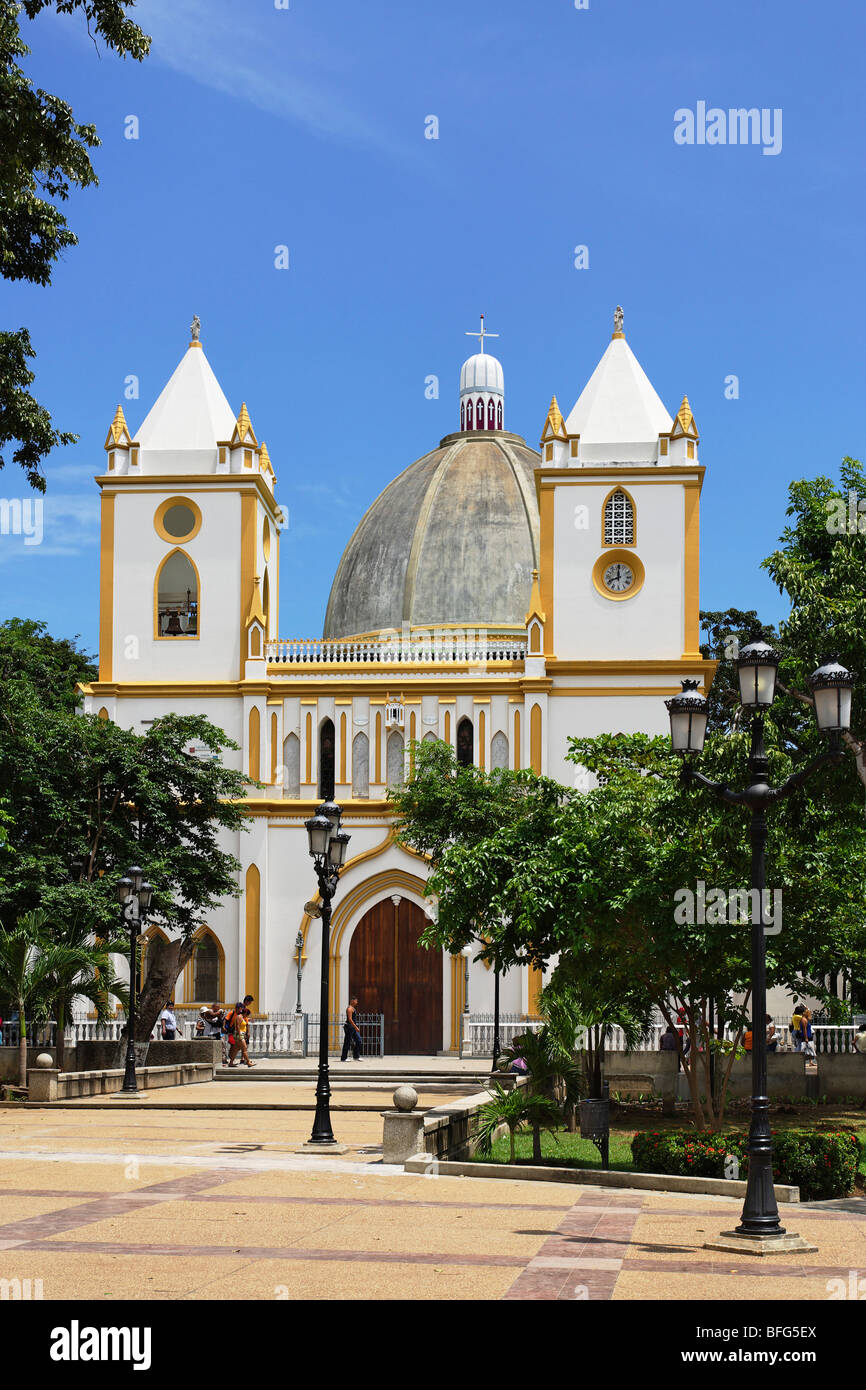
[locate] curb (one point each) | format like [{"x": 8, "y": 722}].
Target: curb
[{"x": 591, "y": 1177}]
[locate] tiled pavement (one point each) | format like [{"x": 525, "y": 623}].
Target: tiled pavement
[{"x": 167, "y": 1207}]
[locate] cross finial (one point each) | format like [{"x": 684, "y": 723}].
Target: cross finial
[
  {"x": 195, "y": 329},
  {"x": 482, "y": 334}
]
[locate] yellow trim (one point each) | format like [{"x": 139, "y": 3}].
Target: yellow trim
[
  {"x": 618, "y": 556},
  {"x": 106, "y": 587},
  {"x": 607, "y": 690},
  {"x": 248, "y": 538},
  {"x": 517, "y": 740},
  {"x": 309, "y": 742},
  {"x": 546, "y": 519},
  {"x": 185, "y": 636},
  {"x": 647, "y": 474},
  {"x": 253, "y": 891},
  {"x": 103, "y": 713},
  {"x": 554, "y": 425},
  {"x": 691, "y": 571},
  {"x": 481, "y": 738},
  {"x": 675, "y": 666},
  {"x": 535, "y": 609},
  {"x": 535, "y": 984},
  {"x": 274, "y": 742},
  {"x": 159, "y": 520},
  {"x": 626, "y": 493},
  {"x": 254, "y": 758},
  {"x": 378, "y": 777},
  {"x": 343, "y": 748},
  {"x": 116, "y": 431},
  {"x": 247, "y": 485},
  {"x": 535, "y": 739},
  {"x": 189, "y": 999}
]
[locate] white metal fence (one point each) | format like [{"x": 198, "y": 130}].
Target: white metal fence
[{"x": 477, "y": 1035}]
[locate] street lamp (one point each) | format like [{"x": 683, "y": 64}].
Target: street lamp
[
  {"x": 134, "y": 895},
  {"x": 328, "y": 845},
  {"x": 299, "y": 948},
  {"x": 466, "y": 953},
  {"x": 831, "y": 684}
]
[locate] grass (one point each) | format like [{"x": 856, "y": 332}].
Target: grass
[{"x": 561, "y": 1149}]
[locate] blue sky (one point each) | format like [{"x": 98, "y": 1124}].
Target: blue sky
[{"x": 305, "y": 126}]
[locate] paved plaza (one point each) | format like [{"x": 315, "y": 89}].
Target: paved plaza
[{"x": 222, "y": 1206}]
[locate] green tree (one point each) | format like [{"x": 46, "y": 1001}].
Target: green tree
[
  {"x": 47, "y": 156},
  {"x": 84, "y": 970},
  {"x": 91, "y": 798},
  {"x": 518, "y": 1109},
  {"x": 29, "y": 962}
]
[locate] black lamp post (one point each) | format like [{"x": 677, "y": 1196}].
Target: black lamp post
[
  {"x": 299, "y": 948},
  {"x": 328, "y": 851},
  {"x": 497, "y": 1046},
  {"x": 831, "y": 684},
  {"x": 134, "y": 896}
]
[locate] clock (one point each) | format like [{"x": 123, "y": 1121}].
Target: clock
[
  {"x": 618, "y": 577},
  {"x": 618, "y": 574}
]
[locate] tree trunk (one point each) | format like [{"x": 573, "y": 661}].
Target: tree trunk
[
  {"x": 536, "y": 1144},
  {"x": 165, "y": 961},
  {"x": 511, "y": 1133},
  {"x": 60, "y": 1037},
  {"x": 22, "y": 1045}
]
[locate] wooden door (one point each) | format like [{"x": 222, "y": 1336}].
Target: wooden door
[{"x": 392, "y": 975}]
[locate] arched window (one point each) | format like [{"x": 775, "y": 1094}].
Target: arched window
[
  {"x": 465, "y": 742},
  {"x": 206, "y": 971},
  {"x": 619, "y": 519},
  {"x": 292, "y": 766},
  {"x": 326, "y": 760},
  {"x": 479, "y": 414},
  {"x": 266, "y": 604},
  {"x": 177, "y": 597},
  {"x": 429, "y": 738},
  {"x": 499, "y": 751},
  {"x": 360, "y": 765},
  {"x": 462, "y": 415},
  {"x": 499, "y": 415},
  {"x": 491, "y": 414},
  {"x": 395, "y": 759}
]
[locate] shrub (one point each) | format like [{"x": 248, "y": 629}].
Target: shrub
[{"x": 821, "y": 1163}]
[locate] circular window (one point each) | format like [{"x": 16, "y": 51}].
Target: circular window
[{"x": 178, "y": 519}]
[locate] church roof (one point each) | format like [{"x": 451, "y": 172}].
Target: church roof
[
  {"x": 454, "y": 539},
  {"x": 482, "y": 372},
  {"x": 618, "y": 414},
  {"x": 191, "y": 411}
]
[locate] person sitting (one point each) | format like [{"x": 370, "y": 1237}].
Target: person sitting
[
  {"x": 860, "y": 1039},
  {"x": 747, "y": 1039},
  {"x": 668, "y": 1041},
  {"x": 772, "y": 1040}
]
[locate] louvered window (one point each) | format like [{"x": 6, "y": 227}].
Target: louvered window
[{"x": 618, "y": 520}]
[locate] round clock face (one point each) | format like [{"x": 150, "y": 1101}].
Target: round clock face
[{"x": 618, "y": 577}]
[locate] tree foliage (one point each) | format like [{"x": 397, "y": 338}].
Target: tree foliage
[{"x": 46, "y": 155}]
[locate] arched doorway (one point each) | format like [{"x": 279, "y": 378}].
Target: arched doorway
[{"x": 392, "y": 975}]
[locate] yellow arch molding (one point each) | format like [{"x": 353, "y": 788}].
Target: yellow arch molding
[
  {"x": 189, "y": 968},
  {"x": 361, "y": 858},
  {"x": 386, "y": 880}
]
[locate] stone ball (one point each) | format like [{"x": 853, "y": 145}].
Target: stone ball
[
  {"x": 405, "y": 1098},
  {"x": 45, "y": 1060}
]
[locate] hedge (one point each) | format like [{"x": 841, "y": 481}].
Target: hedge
[{"x": 821, "y": 1163}]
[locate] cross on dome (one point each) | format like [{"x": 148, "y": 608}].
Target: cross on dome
[{"x": 484, "y": 333}]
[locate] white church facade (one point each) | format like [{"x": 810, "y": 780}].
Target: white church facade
[{"x": 493, "y": 596}]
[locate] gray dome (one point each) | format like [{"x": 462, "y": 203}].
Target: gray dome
[{"x": 454, "y": 539}]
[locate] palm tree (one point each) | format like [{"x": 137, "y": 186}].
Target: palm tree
[
  {"x": 86, "y": 973},
  {"x": 28, "y": 959},
  {"x": 516, "y": 1109},
  {"x": 552, "y": 1071}
]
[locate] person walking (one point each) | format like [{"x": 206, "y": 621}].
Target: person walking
[
  {"x": 236, "y": 1026},
  {"x": 351, "y": 1032},
  {"x": 806, "y": 1034},
  {"x": 796, "y": 1027}
]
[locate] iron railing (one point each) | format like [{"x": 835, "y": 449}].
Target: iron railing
[{"x": 370, "y": 1026}]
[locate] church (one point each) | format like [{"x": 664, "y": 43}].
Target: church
[{"x": 496, "y": 596}]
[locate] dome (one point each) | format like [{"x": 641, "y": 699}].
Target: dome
[
  {"x": 454, "y": 539},
  {"x": 482, "y": 373}
]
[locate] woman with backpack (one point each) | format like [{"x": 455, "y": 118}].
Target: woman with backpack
[{"x": 236, "y": 1026}]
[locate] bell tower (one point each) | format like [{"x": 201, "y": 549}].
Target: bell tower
[{"x": 190, "y": 537}]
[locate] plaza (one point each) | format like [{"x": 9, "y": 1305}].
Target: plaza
[{"x": 191, "y": 1204}]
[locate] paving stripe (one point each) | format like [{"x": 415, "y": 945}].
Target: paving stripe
[
  {"x": 112, "y": 1204},
  {"x": 589, "y": 1245},
  {"x": 758, "y": 1266},
  {"x": 265, "y": 1199},
  {"x": 275, "y": 1252}
]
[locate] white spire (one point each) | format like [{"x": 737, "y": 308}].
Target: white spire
[
  {"x": 191, "y": 411},
  {"x": 618, "y": 414}
]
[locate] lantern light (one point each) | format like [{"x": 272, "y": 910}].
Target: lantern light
[
  {"x": 319, "y": 832},
  {"x": 757, "y": 666},
  {"x": 832, "y": 687},
  {"x": 337, "y": 849},
  {"x": 123, "y": 889},
  {"x": 145, "y": 893},
  {"x": 137, "y": 876},
  {"x": 688, "y": 715}
]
